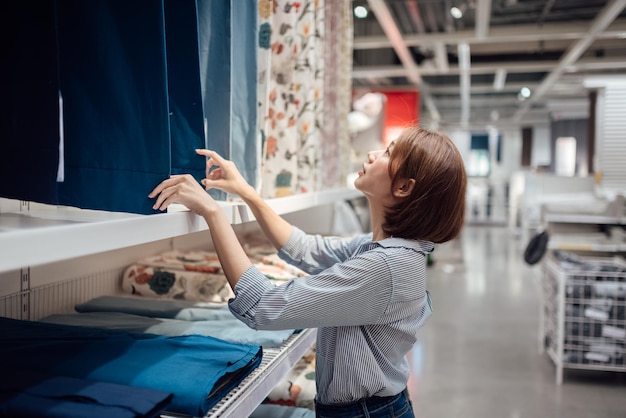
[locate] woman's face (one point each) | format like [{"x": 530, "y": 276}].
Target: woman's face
[{"x": 374, "y": 180}]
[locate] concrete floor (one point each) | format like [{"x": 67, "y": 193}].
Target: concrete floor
[{"x": 478, "y": 355}]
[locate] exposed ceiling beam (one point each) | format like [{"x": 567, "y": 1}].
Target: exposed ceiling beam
[
  {"x": 546, "y": 10},
  {"x": 464, "y": 66},
  {"x": 477, "y": 103},
  {"x": 480, "y": 88},
  {"x": 439, "y": 48},
  {"x": 599, "y": 24},
  {"x": 585, "y": 64},
  {"x": 544, "y": 46},
  {"x": 483, "y": 16},
  {"x": 508, "y": 34},
  {"x": 382, "y": 13},
  {"x": 416, "y": 17},
  {"x": 431, "y": 19},
  {"x": 475, "y": 88},
  {"x": 441, "y": 57},
  {"x": 499, "y": 79}
]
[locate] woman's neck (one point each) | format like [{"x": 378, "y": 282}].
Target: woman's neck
[{"x": 377, "y": 215}]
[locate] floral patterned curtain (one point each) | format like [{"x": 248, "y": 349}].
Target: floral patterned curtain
[
  {"x": 336, "y": 145},
  {"x": 291, "y": 82}
]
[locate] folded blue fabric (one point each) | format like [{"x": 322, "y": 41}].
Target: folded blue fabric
[
  {"x": 29, "y": 393},
  {"x": 198, "y": 370},
  {"x": 281, "y": 411},
  {"x": 157, "y": 308},
  {"x": 225, "y": 326},
  {"x": 227, "y": 329}
]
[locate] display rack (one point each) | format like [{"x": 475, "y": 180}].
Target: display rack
[
  {"x": 34, "y": 234},
  {"x": 56, "y": 257},
  {"x": 239, "y": 402},
  {"x": 586, "y": 233},
  {"x": 583, "y": 324}
]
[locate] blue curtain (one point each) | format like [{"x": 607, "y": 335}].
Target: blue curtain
[
  {"x": 184, "y": 87},
  {"x": 245, "y": 152},
  {"x": 142, "y": 84},
  {"x": 113, "y": 82},
  {"x": 29, "y": 109},
  {"x": 215, "y": 64}
]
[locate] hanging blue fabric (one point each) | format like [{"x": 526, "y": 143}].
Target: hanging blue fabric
[
  {"x": 184, "y": 87},
  {"x": 113, "y": 81},
  {"x": 29, "y": 109},
  {"x": 245, "y": 143},
  {"x": 142, "y": 84},
  {"x": 215, "y": 66}
]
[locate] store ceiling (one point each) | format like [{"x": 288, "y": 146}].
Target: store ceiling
[{"x": 470, "y": 70}]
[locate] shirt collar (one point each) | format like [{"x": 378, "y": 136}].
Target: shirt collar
[{"x": 415, "y": 244}]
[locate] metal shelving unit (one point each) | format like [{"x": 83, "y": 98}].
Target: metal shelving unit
[
  {"x": 277, "y": 362},
  {"x": 55, "y": 257},
  {"x": 586, "y": 233},
  {"x": 583, "y": 322}
]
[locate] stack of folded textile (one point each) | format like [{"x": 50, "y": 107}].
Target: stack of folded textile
[
  {"x": 193, "y": 276},
  {"x": 198, "y": 275},
  {"x": 197, "y": 370},
  {"x": 30, "y": 393},
  {"x": 167, "y": 317}
]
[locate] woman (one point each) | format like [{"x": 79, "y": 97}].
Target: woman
[{"x": 367, "y": 294}]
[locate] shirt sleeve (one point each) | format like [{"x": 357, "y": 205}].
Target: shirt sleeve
[
  {"x": 315, "y": 253},
  {"x": 355, "y": 292}
]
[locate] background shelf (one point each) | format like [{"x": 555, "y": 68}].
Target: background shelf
[{"x": 34, "y": 234}]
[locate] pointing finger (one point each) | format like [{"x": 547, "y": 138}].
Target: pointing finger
[{"x": 212, "y": 155}]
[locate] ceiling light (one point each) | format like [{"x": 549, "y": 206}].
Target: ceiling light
[
  {"x": 524, "y": 93},
  {"x": 456, "y": 12},
  {"x": 360, "y": 12}
]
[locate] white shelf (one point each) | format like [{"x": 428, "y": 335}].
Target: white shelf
[
  {"x": 585, "y": 246},
  {"x": 276, "y": 363},
  {"x": 38, "y": 234},
  {"x": 582, "y": 219},
  {"x": 584, "y": 242}
]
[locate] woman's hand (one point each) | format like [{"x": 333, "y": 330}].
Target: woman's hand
[
  {"x": 183, "y": 189},
  {"x": 225, "y": 176}
]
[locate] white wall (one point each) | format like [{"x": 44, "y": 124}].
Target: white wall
[
  {"x": 500, "y": 176},
  {"x": 542, "y": 150}
]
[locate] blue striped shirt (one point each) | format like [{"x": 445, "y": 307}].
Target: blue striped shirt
[{"x": 368, "y": 300}]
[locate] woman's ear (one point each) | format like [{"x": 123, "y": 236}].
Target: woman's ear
[{"x": 403, "y": 188}]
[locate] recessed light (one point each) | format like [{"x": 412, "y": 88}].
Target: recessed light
[
  {"x": 524, "y": 93},
  {"x": 360, "y": 12}
]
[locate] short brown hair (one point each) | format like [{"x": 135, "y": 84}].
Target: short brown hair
[{"x": 435, "y": 209}]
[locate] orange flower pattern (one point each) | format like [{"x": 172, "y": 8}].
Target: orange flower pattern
[{"x": 291, "y": 85}]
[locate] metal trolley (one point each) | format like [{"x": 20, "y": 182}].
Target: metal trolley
[{"x": 582, "y": 319}]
